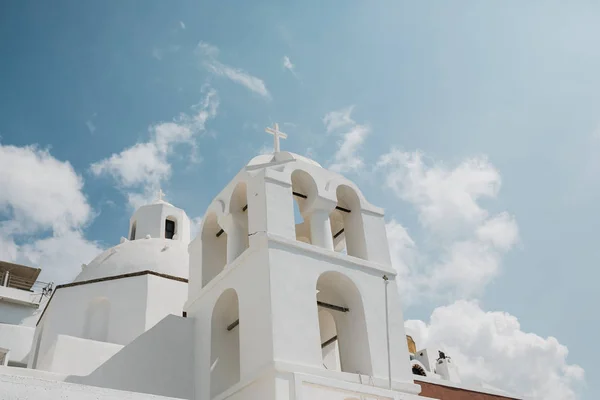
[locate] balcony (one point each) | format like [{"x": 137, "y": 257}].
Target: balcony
[{"x": 19, "y": 284}]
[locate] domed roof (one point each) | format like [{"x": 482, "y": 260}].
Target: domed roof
[
  {"x": 165, "y": 256},
  {"x": 281, "y": 156}
]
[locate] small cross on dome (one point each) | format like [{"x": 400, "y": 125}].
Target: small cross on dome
[
  {"x": 277, "y": 134},
  {"x": 160, "y": 195}
]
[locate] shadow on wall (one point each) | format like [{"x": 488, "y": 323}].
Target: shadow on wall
[
  {"x": 159, "y": 361},
  {"x": 225, "y": 343}
]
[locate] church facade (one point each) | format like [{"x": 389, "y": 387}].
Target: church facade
[{"x": 287, "y": 292}]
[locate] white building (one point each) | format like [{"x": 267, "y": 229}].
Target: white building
[
  {"x": 21, "y": 299},
  {"x": 279, "y": 304}
]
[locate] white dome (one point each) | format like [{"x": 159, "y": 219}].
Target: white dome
[
  {"x": 281, "y": 156},
  {"x": 165, "y": 256}
]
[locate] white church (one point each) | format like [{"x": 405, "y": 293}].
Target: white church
[{"x": 265, "y": 303}]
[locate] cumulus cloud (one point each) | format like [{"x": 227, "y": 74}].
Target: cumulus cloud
[
  {"x": 465, "y": 242},
  {"x": 490, "y": 347},
  {"x": 461, "y": 251},
  {"x": 209, "y": 55},
  {"x": 446, "y": 198},
  {"x": 60, "y": 256},
  {"x": 43, "y": 213},
  {"x": 352, "y": 136},
  {"x": 143, "y": 166},
  {"x": 39, "y": 191}
]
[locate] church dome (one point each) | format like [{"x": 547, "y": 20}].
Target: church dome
[
  {"x": 280, "y": 157},
  {"x": 164, "y": 256}
]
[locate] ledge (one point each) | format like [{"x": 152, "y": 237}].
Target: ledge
[
  {"x": 19, "y": 296},
  {"x": 312, "y": 250},
  {"x": 329, "y": 379}
]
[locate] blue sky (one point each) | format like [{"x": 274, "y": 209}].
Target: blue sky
[{"x": 475, "y": 124}]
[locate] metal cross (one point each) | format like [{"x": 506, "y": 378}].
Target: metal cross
[
  {"x": 160, "y": 194},
  {"x": 276, "y": 135}
]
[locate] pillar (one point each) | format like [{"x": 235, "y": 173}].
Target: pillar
[
  {"x": 236, "y": 227},
  {"x": 320, "y": 229}
]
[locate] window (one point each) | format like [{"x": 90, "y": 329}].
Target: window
[
  {"x": 132, "y": 236},
  {"x": 169, "y": 229}
]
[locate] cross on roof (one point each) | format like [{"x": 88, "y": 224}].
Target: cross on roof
[
  {"x": 276, "y": 135},
  {"x": 160, "y": 194}
]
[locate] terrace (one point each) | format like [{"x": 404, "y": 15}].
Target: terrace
[{"x": 19, "y": 284}]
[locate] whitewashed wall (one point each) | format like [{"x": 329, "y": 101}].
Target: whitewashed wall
[
  {"x": 17, "y": 339},
  {"x": 135, "y": 304}
]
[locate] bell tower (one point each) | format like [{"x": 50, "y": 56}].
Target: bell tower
[
  {"x": 159, "y": 220},
  {"x": 287, "y": 290}
]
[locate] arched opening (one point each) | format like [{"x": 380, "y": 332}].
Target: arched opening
[
  {"x": 97, "y": 320},
  {"x": 418, "y": 370},
  {"x": 170, "y": 227},
  {"x": 238, "y": 236},
  {"x": 304, "y": 189},
  {"x": 225, "y": 343},
  {"x": 341, "y": 299},
  {"x": 214, "y": 248},
  {"x": 132, "y": 234},
  {"x": 347, "y": 224},
  {"x": 329, "y": 340}
]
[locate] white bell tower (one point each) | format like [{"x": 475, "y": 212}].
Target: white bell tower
[
  {"x": 292, "y": 304},
  {"x": 159, "y": 220}
]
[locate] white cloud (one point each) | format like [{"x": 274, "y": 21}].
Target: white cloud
[
  {"x": 501, "y": 231},
  {"x": 287, "y": 64},
  {"x": 44, "y": 211},
  {"x": 145, "y": 165},
  {"x": 490, "y": 347},
  {"x": 39, "y": 191},
  {"x": 182, "y": 24},
  {"x": 239, "y": 76},
  {"x": 60, "y": 256},
  {"x": 461, "y": 251},
  {"x": 446, "y": 199},
  {"x": 465, "y": 244},
  {"x": 338, "y": 119},
  {"x": 403, "y": 252},
  {"x": 352, "y": 136},
  {"x": 142, "y": 163}
]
